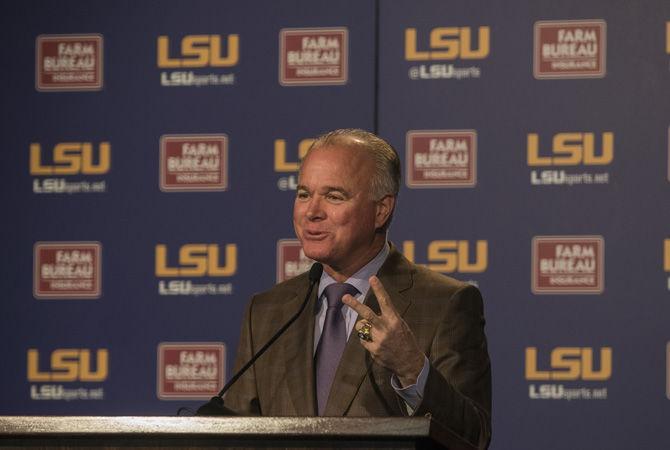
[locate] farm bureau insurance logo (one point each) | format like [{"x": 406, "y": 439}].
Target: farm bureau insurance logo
[
  {"x": 576, "y": 368},
  {"x": 195, "y": 262},
  {"x": 190, "y": 370},
  {"x": 284, "y": 165},
  {"x": 68, "y": 62},
  {"x": 443, "y": 158},
  {"x": 453, "y": 47},
  {"x": 67, "y": 270},
  {"x": 291, "y": 259},
  {"x": 313, "y": 56},
  {"x": 569, "y": 49},
  {"x": 193, "y": 162},
  {"x": 666, "y": 259},
  {"x": 202, "y": 60},
  {"x": 570, "y": 150},
  {"x": 568, "y": 265},
  {"x": 67, "y": 374},
  {"x": 70, "y": 159},
  {"x": 452, "y": 256}
]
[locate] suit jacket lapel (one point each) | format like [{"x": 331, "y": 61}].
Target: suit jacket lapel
[
  {"x": 396, "y": 277},
  {"x": 298, "y": 350}
]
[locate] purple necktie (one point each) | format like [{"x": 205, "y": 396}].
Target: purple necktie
[{"x": 332, "y": 342}]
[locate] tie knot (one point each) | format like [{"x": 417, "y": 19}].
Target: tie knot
[{"x": 336, "y": 291}]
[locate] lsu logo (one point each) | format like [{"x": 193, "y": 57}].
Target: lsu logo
[
  {"x": 452, "y": 256},
  {"x": 71, "y": 158},
  {"x": 282, "y": 164},
  {"x": 448, "y": 43},
  {"x": 197, "y": 260},
  {"x": 571, "y": 149},
  {"x": 569, "y": 364},
  {"x": 200, "y": 50},
  {"x": 69, "y": 364}
]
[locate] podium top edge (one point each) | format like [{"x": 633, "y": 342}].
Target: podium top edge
[{"x": 410, "y": 427}]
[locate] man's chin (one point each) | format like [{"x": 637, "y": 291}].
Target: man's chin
[{"x": 315, "y": 253}]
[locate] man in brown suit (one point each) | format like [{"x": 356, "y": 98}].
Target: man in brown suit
[{"x": 408, "y": 342}]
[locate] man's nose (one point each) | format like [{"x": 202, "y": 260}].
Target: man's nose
[{"x": 314, "y": 210}]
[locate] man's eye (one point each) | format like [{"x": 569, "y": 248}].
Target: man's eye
[
  {"x": 335, "y": 197},
  {"x": 302, "y": 195}
]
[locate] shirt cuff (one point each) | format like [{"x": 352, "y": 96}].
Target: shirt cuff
[{"x": 412, "y": 394}]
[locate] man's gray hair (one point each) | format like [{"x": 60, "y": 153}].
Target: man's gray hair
[{"x": 386, "y": 178}]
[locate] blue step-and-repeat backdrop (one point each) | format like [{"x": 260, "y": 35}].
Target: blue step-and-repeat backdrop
[{"x": 150, "y": 163}]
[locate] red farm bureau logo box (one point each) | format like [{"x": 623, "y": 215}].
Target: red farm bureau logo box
[
  {"x": 190, "y": 370},
  {"x": 194, "y": 162},
  {"x": 568, "y": 265},
  {"x": 570, "y": 49},
  {"x": 291, "y": 259},
  {"x": 442, "y": 158},
  {"x": 69, "y": 62},
  {"x": 67, "y": 270},
  {"x": 313, "y": 56}
]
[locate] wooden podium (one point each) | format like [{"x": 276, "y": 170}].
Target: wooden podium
[{"x": 74, "y": 432}]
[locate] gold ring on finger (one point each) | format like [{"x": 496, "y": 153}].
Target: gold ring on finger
[{"x": 364, "y": 333}]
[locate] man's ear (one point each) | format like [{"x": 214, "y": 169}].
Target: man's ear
[{"x": 384, "y": 210}]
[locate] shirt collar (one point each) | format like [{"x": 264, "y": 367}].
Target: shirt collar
[{"x": 360, "y": 279}]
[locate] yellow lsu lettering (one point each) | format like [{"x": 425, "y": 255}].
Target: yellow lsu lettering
[
  {"x": 71, "y": 158},
  {"x": 667, "y": 37},
  {"x": 199, "y": 50},
  {"x": 452, "y": 256},
  {"x": 571, "y": 149},
  {"x": 281, "y": 164},
  {"x": 666, "y": 258},
  {"x": 69, "y": 364},
  {"x": 197, "y": 260},
  {"x": 570, "y": 363},
  {"x": 448, "y": 43}
]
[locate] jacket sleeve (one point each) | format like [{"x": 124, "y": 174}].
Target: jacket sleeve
[{"x": 458, "y": 389}]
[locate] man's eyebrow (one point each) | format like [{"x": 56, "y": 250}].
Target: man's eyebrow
[
  {"x": 325, "y": 189},
  {"x": 333, "y": 188}
]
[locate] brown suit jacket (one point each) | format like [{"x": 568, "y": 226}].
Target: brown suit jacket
[{"x": 445, "y": 315}]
